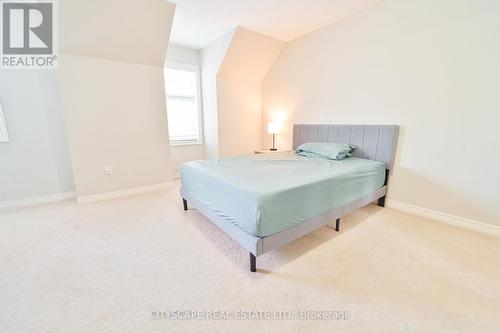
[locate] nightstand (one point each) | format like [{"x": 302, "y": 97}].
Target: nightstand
[{"x": 265, "y": 151}]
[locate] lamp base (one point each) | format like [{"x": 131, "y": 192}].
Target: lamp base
[{"x": 273, "y": 149}]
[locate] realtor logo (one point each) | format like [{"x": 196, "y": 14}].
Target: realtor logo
[{"x": 28, "y": 34}]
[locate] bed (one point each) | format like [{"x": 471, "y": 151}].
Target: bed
[{"x": 265, "y": 201}]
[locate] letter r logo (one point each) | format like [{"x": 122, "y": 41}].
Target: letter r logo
[{"x": 27, "y": 28}]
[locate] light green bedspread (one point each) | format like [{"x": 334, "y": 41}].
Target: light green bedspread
[{"x": 268, "y": 193}]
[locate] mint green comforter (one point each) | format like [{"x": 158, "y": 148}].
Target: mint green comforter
[{"x": 268, "y": 193}]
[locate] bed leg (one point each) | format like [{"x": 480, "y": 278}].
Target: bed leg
[
  {"x": 185, "y": 203},
  {"x": 253, "y": 263},
  {"x": 381, "y": 201},
  {"x": 337, "y": 225}
]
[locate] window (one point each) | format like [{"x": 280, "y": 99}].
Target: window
[
  {"x": 182, "y": 84},
  {"x": 4, "y": 136}
]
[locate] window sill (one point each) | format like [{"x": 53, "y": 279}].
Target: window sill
[{"x": 186, "y": 143}]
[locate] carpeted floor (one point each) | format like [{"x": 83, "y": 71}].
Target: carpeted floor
[{"x": 106, "y": 267}]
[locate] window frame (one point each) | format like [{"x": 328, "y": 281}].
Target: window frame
[
  {"x": 4, "y": 134},
  {"x": 196, "y": 70}
]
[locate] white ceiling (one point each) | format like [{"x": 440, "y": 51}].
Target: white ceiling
[{"x": 197, "y": 23}]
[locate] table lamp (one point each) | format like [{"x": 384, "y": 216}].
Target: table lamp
[{"x": 273, "y": 128}]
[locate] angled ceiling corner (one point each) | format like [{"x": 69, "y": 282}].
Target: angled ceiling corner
[
  {"x": 122, "y": 30},
  {"x": 214, "y": 54},
  {"x": 250, "y": 56}
]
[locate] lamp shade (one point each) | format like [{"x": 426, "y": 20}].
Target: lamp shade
[{"x": 273, "y": 128}]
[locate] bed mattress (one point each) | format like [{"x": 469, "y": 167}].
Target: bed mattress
[{"x": 267, "y": 193}]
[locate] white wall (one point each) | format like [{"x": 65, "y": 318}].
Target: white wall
[
  {"x": 112, "y": 92},
  {"x": 239, "y": 116},
  {"x": 115, "y": 115},
  {"x": 239, "y": 79},
  {"x": 431, "y": 67},
  {"x": 184, "y": 153},
  {"x": 35, "y": 162},
  {"x": 211, "y": 60},
  {"x": 101, "y": 99},
  {"x": 232, "y": 71}
]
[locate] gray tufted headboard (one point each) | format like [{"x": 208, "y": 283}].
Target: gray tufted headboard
[{"x": 374, "y": 142}]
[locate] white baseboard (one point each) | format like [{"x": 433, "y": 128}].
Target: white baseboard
[
  {"x": 122, "y": 193},
  {"x": 445, "y": 218},
  {"x": 56, "y": 197}
]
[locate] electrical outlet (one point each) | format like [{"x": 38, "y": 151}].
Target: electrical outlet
[{"x": 108, "y": 170}]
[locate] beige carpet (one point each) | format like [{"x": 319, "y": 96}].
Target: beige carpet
[{"x": 105, "y": 267}]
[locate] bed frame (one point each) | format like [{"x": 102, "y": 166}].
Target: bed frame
[{"x": 374, "y": 142}]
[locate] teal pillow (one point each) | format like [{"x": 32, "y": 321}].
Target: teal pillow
[{"x": 329, "y": 150}]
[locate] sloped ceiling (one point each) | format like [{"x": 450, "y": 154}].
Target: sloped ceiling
[
  {"x": 198, "y": 23},
  {"x": 134, "y": 31},
  {"x": 250, "y": 56}
]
